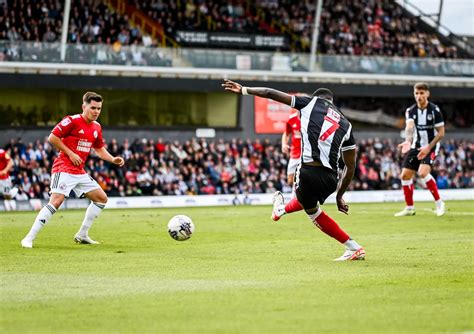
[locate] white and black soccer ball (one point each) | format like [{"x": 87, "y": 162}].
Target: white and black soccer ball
[{"x": 180, "y": 227}]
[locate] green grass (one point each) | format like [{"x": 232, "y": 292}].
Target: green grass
[{"x": 240, "y": 273}]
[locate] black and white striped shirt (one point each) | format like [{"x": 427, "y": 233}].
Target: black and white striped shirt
[
  {"x": 325, "y": 132},
  {"x": 426, "y": 121}
]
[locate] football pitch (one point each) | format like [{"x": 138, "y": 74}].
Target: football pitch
[{"x": 240, "y": 273}]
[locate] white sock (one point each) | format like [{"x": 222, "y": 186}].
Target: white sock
[
  {"x": 313, "y": 216},
  {"x": 407, "y": 182},
  {"x": 93, "y": 211},
  {"x": 438, "y": 203},
  {"x": 352, "y": 245},
  {"x": 42, "y": 219},
  {"x": 7, "y": 205},
  {"x": 427, "y": 178},
  {"x": 13, "y": 204},
  {"x": 410, "y": 207}
]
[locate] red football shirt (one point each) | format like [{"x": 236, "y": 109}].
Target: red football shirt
[
  {"x": 293, "y": 127},
  {"x": 80, "y": 137},
  {"x": 4, "y": 159}
]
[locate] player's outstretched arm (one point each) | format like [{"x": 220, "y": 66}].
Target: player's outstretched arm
[
  {"x": 349, "y": 157},
  {"x": 264, "y": 92},
  {"x": 57, "y": 142},
  {"x": 105, "y": 155}
]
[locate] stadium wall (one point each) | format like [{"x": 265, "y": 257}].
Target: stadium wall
[
  {"x": 458, "y": 89},
  {"x": 363, "y": 87},
  {"x": 54, "y": 77},
  {"x": 380, "y": 196}
]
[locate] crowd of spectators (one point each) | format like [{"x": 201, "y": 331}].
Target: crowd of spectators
[
  {"x": 377, "y": 27},
  {"x": 360, "y": 27},
  {"x": 348, "y": 27},
  {"x": 91, "y": 21},
  {"x": 96, "y": 34},
  {"x": 200, "y": 15},
  {"x": 200, "y": 167}
]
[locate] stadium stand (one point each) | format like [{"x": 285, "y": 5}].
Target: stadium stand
[
  {"x": 384, "y": 30},
  {"x": 223, "y": 167},
  {"x": 347, "y": 28},
  {"x": 115, "y": 40},
  {"x": 90, "y": 22}
]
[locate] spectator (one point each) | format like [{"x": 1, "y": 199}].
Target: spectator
[{"x": 198, "y": 166}]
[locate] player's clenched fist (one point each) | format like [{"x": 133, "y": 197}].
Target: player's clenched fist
[{"x": 118, "y": 161}]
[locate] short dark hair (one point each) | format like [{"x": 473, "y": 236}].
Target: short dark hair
[
  {"x": 91, "y": 96},
  {"x": 421, "y": 86},
  {"x": 324, "y": 93}
]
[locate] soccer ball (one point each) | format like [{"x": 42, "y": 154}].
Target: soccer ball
[{"x": 180, "y": 227}]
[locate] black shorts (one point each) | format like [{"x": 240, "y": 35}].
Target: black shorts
[
  {"x": 412, "y": 162},
  {"x": 314, "y": 184}
]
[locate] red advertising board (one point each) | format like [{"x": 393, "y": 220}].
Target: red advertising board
[{"x": 270, "y": 116}]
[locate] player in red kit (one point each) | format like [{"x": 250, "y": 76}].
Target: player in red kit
[
  {"x": 74, "y": 137},
  {"x": 6, "y": 164},
  {"x": 293, "y": 127}
]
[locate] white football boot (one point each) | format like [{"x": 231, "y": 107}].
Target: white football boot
[
  {"x": 352, "y": 255},
  {"x": 278, "y": 206},
  {"x": 81, "y": 239},
  {"x": 441, "y": 209},
  {"x": 27, "y": 243},
  {"x": 405, "y": 212}
]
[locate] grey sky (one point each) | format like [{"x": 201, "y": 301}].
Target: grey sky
[{"x": 457, "y": 15}]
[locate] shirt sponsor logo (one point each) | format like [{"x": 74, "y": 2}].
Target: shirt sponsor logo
[
  {"x": 84, "y": 146},
  {"x": 65, "y": 122},
  {"x": 333, "y": 115}
]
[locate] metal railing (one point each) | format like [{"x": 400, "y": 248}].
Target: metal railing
[
  {"x": 461, "y": 42},
  {"x": 102, "y": 54}
]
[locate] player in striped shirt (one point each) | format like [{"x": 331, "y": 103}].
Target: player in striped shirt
[
  {"x": 325, "y": 135},
  {"x": 424, "y": 131}
]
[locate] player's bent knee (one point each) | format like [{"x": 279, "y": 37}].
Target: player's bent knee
[
  {"x": 311, "y": 211},
  {"x": 56, "y": 202},
  {"x": 102, "y": 198},
  {"x": 97, "y": 195},
  {"x": 406, "y": 175}
]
